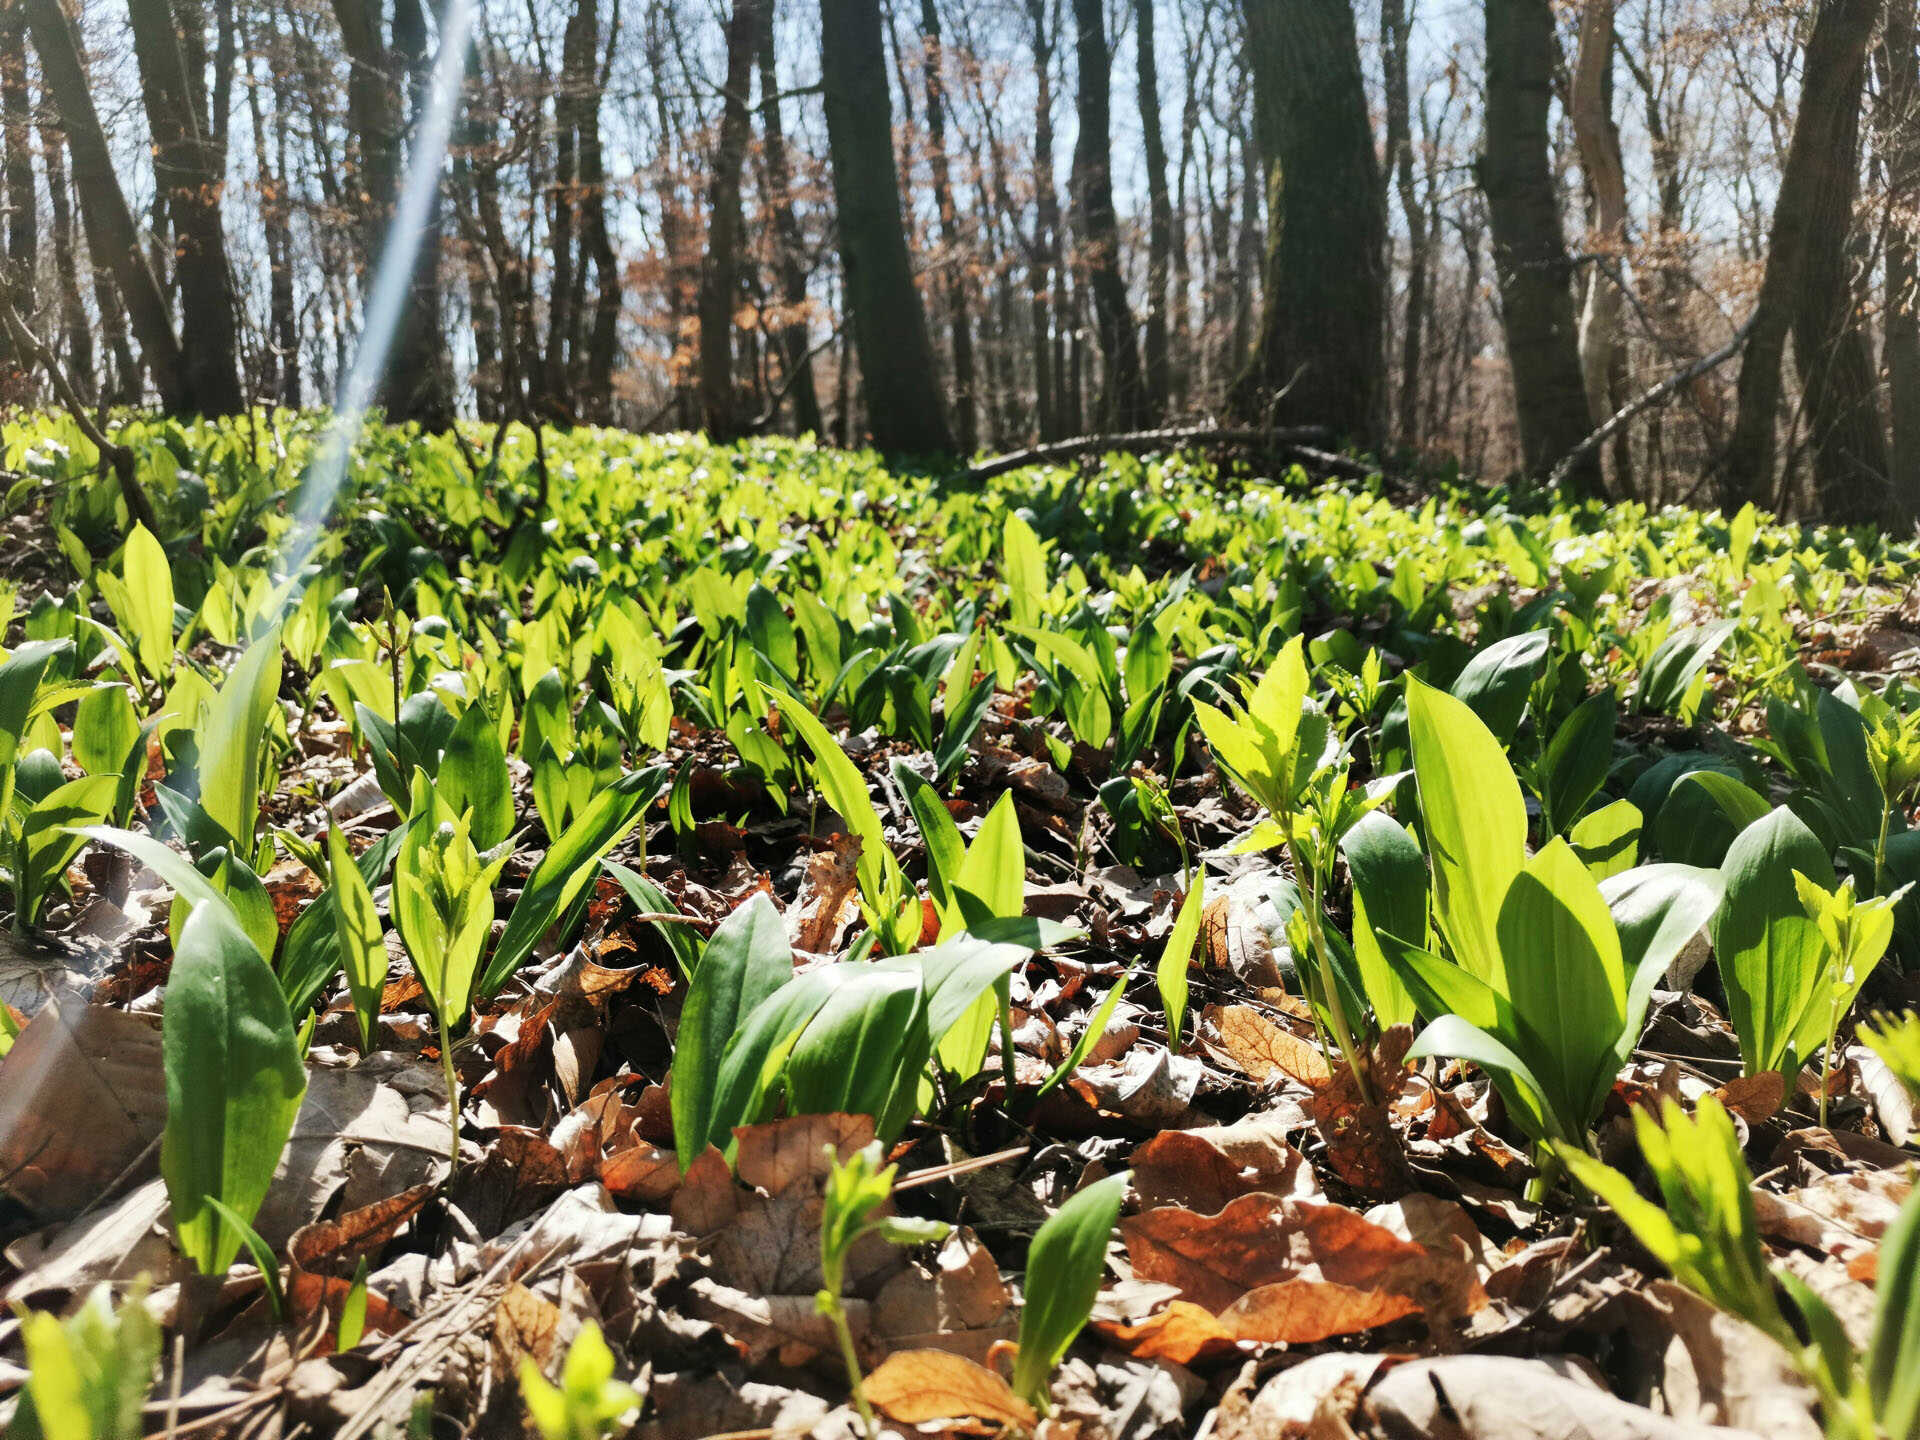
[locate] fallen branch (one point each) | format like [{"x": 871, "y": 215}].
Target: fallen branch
[
  {"x": 1648, "y": 397},
  {"x": 1138, "y": 441}
]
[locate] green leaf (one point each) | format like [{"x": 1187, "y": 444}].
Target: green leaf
[
  {"x": 1475, "y": 823},
  {"x": 1577, "y": 760},
  {"x": 185, "y": 881},
  {"x": 105, "y": 730},
  {"x": 1770, "y": 952},
  {"x": 1702, "y": 815},
  {"x": 992, "y": 881},
  {"x": 1024, "y": 566},
  {"x": 49, "y": 839},
  {"x": 1497, "y": 680},
  {"x": 567, "y": 869},
  {"x": 232, "y": 735},
  {"x": 1453, "y": 1037},
  {"x": 1170, "y": 975},
  {"x": 746, "y": 961},
  {"x": 1566, "y": 981},
  {"x": 866, "y": 1041},
  {"x": 1672, "y": 667},
  {"x": 473, "y": 777},
  {"x": 234, "y": 1084},
  {"x": 148, "y": 577},
  {"x": 1608, "y": 840},
  {"x": 1389, "y": 896},
  {"x": 1656, "y": 910},
  {"x": 1064, "y": 1265},
  {"x": 1893, "y": 1356},
  {"x": 363, "y": 954},
  {"x": 846, "y": 792},
  {"x": 260, "y": 1251},
  {"x": 1089, "y": 1037}
]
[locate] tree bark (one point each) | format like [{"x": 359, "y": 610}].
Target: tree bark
[
  {"x": 1396, "y": 29},
  {"x": 187, "y": 171},
  {"x": 596, "y": 240},
  {"x": 1044, "y": 264},
  {"x": 1807, "y": 292},
  {"x": 790, "y": 251},
  {"x": 1159, "y": 213},
  {"x": 1123, "y": 398},
  {"x": 418, "y": 385},
  {"x": 1900, "y": 89},
  {"x": 112, "y": 235},
  {"x": 720, "y": 274},
  {"x": 888, "y": 323},
  {"x": 1598, "y": 140},
  {"x": 952, "y": 238},
  {"x": 23, "y": 211},
  {"x": 1318, "y": 356},
  {"x": 66, "y": 269},
  {"x": 1529, "y": 251}
]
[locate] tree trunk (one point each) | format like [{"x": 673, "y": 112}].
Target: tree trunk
[
  {"x": 1046, "y": 229},
  {"x": 1159, "y": 213},
  {"x": 1396, "y": 29},
  {"x": 596, "y": 240},
  {"x": 1318, "y": 358},
  {"x": 418, "y": 385},
  {"x": 1529, "y": 251},
  {"x": 187, "y": 171},
  {"x": 1900, "y": 88},
  {"x": 23, "y": 211},
  {"x": 1598, "y": 139},
  {"x": 952, "y": 239},
  {"x": 889, "y": 325},
  {"x": 796, "y": 359},
  {"x": 720, "y": 275},
  {"x": 112, "y": 236},
  {"x": 1807, "y": 292},
  {"x": 66, "y": 269},
  {"x": 1123, "y": 400}
]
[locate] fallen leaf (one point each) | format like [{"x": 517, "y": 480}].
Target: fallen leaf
[
  {"x": 1260, "y": 1049},
  {"x": 1891, "y": 1100},
  {"x": 826, "y": 903},
  {"x": 1754, "y": 1098},
  {"x": 1205, "y": 1169},
  {"x": 1844, "y": 1215},
  {"x": 1362, "y": 1146},
  {"x": 915, "y": 1386}
]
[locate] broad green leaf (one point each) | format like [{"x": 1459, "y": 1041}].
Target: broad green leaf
[
  {"x": 745, "y": 961},
  {"x": 1566, "y": 981},
  {"x": 854, "y": 1056},
  {"x": 1474, "y": 821},
  {"x": 1390, "y": 896},
  {"x": 1454, "y": 1038},
  {"x": 50, "y": 837},
  {"x": 1608, "y": 840},
  {"x": 1770, "y": 952},
  {"x": 1024, "y": 569},
  {"x": 234, "y": 1084},
  {"x": 1656, "y": 910},
  {"x": 473, "y": 777},
  {"x": 1702, "y": 815},
  {"x": 1893, "y": 1357},
  {"x": 1497, "y": 680},
  {"x": 846, "y": 792},
  {"x": 1065, "y": 1262},
  {"x": 105, "y": 730},
  {"x": 1673, "y": 666},
  {"x": 993, "y": 875},
  {"x": 363, "y": 954},
  {"x": 567, "y": 869},
  {"x": 1577, "y": 759},
  {"x": 148, "y": 576},
  {"x": 232, "y": 735},
  {"x": 180, "y": 874}
]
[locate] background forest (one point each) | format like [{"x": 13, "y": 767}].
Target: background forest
[{"x": 946, "y": 227}]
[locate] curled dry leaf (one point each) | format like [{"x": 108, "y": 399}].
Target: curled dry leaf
[
  {"x": 1844, "y": 1215},
  {"x": 1754, "y": 1098},
  {"x": 1205, "y": 1169},
  {"x": 1362, "y": 1146},
  {"x": 1259, "y": 1048},
  {"x": 916, "y": 1386}
]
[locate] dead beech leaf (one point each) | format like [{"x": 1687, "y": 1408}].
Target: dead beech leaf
[
  {"x": 1260, "y": 1049},
  {"x": 774, "y": 1155},
  {"x": 75, "y": 1059},
  {"x": 1272, "y": 1270},
  {"x": 964, "y": 1307},
  {"x": 1844, "y": 1215},
  {"x": 641, "y": 1172},
  {"x": 1290, "y": 1406},
  {"x": 321, "y": 1259},
  {"x": 915, "y": 1386},
  {"x": 1754, "y": 1098},
  {"x": 1362, "y": 1146},
  {"x": 1205, "y": 1169},
  {"x": 825, "y": 905},
  {"x": 1892, "y": 1102}
]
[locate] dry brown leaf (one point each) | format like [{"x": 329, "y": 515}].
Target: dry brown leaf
[
  {"x": 1289, "y": 1406},
  {"x": 642, "y": 1172},
  {"x": 1844, "y": 1215},
  {"x": 963, "y": 1307},
  {"x": 915, "y": 1386},
  {"x": 1754, "y": 1098},
  {"x": 1257, "y": 1047},
  {"x": 1362, "y": 1146},
  {"x": 1205, "y": 1169},
  {"x": 87, "y": 1060},
  {"x": 1891, "y": 1100},
  {"x": 826, "y": 903}
]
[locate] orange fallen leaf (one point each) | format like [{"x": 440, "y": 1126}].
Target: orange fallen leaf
[
  {"x": 1257, "y": 1047},
  {"x": 915, "y": 1386},
  {"x": 1205, "y": 1169}
]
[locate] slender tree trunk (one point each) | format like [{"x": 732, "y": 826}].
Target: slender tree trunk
[
  {"x": 188, "y": 173},
  {"x": 1318, "y": 359},
  {"x": 596, "y": 239},
  {"x": 1598, "y": 138},
  {"x": 720, "y": 275},
  {"x": 1396, "y": 28},
  {"x": 966, "y": 412},
  {"x": 1159, "y": 213},
  {"x": 418, "y": 385},
  {"x": 1900, "y": 89},
  {"x": 66, "y": 269},
  {"x": 1807, "y": 291},
  {"x": 888, "y": 322},
  {"x": 1046, "y": 228},
  {"x": 112, "y": 235},
  {"x": 1123, "y": 400},
  {"x": 23, "y": 211},
  {"x": 796, "y": 359},
  {"x": 1529, "y": 251}
]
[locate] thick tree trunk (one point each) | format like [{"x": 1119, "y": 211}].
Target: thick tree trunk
[
  {"x": 1159, "y": 213},
  {"x": 1529, "y": 251},
  {"x": 1900, "y": 90},
  {"x": 188, "y": 173},
  {"x": 720, "y": 274},
  {"x": 112, "y": 236},
  {"x": 790, "y": 251},
  {"x": 1318, "y": 358},
  {"x": 1396, "y": 29},
  {"x": 888, "y": 322},
  {"x": 418, "y": 385},
  {"x": 1123, "y": 399},
  {"x": 953, "y": 269},
  {"x": 596, "y": 240},
  {"x": 1807, "y": 292},
  {"x": 23, "y": 211}
]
